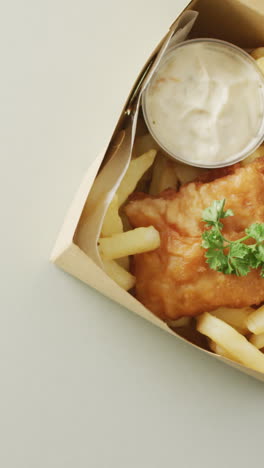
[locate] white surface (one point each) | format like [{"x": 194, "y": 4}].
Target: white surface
[{"x": 84, "y": 383}]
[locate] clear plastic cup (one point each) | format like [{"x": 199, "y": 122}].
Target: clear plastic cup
[{"x": 254, "y": 141}]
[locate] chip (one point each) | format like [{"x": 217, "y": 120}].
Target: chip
[
  {"x": 133, "y": 242},
  {"x": 235, "y": 344}
]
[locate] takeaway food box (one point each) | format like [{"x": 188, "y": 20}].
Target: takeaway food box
[{"x": 239, "y": 22}]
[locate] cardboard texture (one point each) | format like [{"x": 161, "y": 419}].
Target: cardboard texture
[{"x": 237, "y": 21}]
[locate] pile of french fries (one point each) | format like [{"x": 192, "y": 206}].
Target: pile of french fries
[{"x": 236, "y": 334}]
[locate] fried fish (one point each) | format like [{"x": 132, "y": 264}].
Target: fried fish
[{"x": 175, "y": 280}]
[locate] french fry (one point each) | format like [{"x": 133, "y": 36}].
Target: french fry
[
  {"x": 112, "y": 222},
  {"x": 217, "y": 349},
  {"x": 135, "y": 171},
  {"x": 143, "y": 144},
  {"x": 255, "y": 321},
  {"x": 158, "y": 168},
  {"x": 235, "y": 317},
  {"x": 163, "y": 175},
  {"x": 168, "y": 177},
  {"x": 260, "y": 63},
  {"x": 257, "y": 340},
  {"x": 119, "y": 274},
  {"x": 257, "y": 53},
  {"x": 233, "y": 342},
  {"x": 133, "y": 242},
  {"x": 181, "y": 322},
  {"x": 258, "y": 153},
  {"x": 187, "y": 173}
]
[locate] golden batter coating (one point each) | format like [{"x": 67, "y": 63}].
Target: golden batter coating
[{"x": 175, "y": 280}]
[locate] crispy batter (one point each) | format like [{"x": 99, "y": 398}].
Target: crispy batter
[{"x": 175, "y": 280}]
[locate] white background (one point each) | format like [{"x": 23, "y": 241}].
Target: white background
[{"x": 85, "y": 383}]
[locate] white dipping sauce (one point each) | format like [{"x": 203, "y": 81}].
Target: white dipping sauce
[{"x": 205, "y": 103}]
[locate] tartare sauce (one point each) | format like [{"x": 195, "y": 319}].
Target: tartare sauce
[{"x": 205, "y": 103}]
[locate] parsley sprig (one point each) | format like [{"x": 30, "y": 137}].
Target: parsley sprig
[{"x": 231, "y": 257}]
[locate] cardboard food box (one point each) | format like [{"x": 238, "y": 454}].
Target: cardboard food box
[{"x": 238, "y": 21}]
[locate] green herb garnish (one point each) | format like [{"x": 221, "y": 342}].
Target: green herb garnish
[{"x": 231, "y": 257}]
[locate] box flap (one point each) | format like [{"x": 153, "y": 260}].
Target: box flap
[
  {"x": 67, "y": 231},
  {"x": 75, "y": 262}
]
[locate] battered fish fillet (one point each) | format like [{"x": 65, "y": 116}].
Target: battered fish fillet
[{"x": 175, "y": 280}]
